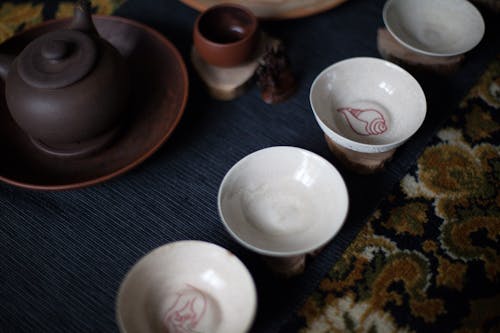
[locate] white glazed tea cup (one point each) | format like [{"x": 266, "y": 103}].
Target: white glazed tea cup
[
  {"x": 434, "y": 27},
  {"x": 367, "y": 105},
  {"x": 187, "y": 286},
  {"x": 283, "y": 201}
]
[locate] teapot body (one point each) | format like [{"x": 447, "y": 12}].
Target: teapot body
[
  {"x": 68, "y": 88},
  {"x": 81, "y": 111}
]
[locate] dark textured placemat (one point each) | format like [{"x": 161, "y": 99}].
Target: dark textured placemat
[{"x": 64, "y": 254}]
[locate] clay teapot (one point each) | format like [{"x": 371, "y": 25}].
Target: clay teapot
[{"x": 67, "y": 89}]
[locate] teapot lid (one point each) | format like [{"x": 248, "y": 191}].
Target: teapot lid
[{"x": 57, "y": 59}]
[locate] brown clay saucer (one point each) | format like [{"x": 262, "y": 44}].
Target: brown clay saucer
[{"x": 158, "y": 97}]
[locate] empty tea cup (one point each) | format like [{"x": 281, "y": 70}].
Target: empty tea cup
[
  {"x": 226, "y": 35},
  {"x": 435, "y": 28},
  {"x": 283, "y": 203},
  {"x": 187, "y": 286}
]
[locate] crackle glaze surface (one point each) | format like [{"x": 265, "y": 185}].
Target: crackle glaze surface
[
  {"x": 283, "y": 201},
  {"x": 367, "y": 104}
]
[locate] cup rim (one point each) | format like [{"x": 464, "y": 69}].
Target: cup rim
[
  {"x": 283, "y": 254},
  {"x": 359, "y": 146},
  {"x": 473, "y": 10},
  {"x": 253, "y": 27}
]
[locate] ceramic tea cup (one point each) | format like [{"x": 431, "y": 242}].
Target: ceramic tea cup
[
  {"x": 367, "y": 105},
  {"x": 283, "y": 202},
  {"x": 434, "y": 28},
  {"x": 226, "y": 35},
  {"x": 187, "y": 286}
]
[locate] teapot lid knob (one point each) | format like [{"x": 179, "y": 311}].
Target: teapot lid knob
[
  {"x": 55, "y": 49},
  {"x": 57, "y": 59}
]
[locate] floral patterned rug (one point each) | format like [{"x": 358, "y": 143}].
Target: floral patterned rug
[
  {"x": 19, "y": 15},
  {"x": 429, "y": 258}
]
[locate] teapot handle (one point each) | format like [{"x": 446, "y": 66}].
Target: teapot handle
[
  {"x": 5, "y": 63},
  {"x": 82, "y": 17}
]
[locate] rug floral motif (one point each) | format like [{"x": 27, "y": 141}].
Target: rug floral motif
[
  {"x": 429, "y": 257},
  {"x": 16, "y": 16}
]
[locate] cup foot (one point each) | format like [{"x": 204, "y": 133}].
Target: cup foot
[
  {"x": 288, "y": 267},
  {"x": 390, "y": 49},
  {"x": 363, "y": 163}
]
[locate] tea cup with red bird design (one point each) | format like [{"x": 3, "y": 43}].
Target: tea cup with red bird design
[
  {"x": 367, "y": 105},
  {"x": 187, "y": 286}
]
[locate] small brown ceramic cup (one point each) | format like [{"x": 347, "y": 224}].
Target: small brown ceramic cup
[{"x": 226, "y": 35}]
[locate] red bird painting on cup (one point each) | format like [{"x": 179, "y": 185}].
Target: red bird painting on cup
[{"x": 364, "y": 121}]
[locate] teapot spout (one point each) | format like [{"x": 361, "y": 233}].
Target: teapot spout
[
  {"x": 5, "y": 63},
  {"x": 82, "y": 17}
]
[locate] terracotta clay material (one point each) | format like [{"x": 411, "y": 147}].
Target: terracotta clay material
[
  {"x": 226, "y": 35},
  {"x": 158, "y": 95}
]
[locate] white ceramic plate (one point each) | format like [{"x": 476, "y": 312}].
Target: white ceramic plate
[
  {"x": 367, "y": 104},
  {"x": 434, "y": 27},
  {"x": 283, "y": 201},
  {"x": 187, "y": 286}
]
